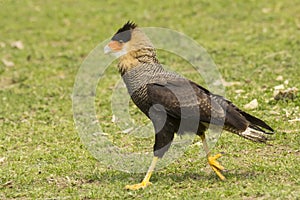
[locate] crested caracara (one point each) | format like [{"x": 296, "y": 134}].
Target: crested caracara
[{"x": 173, "y": 103}]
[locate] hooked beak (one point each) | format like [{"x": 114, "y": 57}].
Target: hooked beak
[
  {"x": 107, "y": 49},
  {"x": 115, "y": 48}
]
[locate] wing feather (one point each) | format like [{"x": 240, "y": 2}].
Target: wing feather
[{"x": 182, "y": 98}]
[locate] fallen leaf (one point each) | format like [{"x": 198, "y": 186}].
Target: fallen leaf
[
  {"x": 289, "y": 93},
  {"x": 252, "y": 105},
  {"x": 17, "y": 44},
  {"x": 279, "y": 87},
  {"x": 239, "y": 91},
  {"x": 7, "y": 63},
  {"x": 279, "y": 78},
  {"x": 2, "y": 159}
]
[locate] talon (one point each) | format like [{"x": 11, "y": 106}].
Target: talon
[
  {"x": 217, "y": 171},
  {"x": 212, "y": 160},
  {"x": 142, "y": 185},
  {"x": 215, "y": 165}
]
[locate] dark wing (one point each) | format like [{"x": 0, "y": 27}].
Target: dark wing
[{"x": 183, "y": 99}]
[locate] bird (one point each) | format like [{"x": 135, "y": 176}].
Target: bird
[{"x": 173, "y": 103}]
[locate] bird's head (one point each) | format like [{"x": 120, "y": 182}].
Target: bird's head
[{"x": 128, "y": 39}]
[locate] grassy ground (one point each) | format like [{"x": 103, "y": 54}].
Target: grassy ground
[{"x": 41, "y": 155}]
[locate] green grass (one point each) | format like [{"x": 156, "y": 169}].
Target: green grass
[{"x": 40, "y": 150}]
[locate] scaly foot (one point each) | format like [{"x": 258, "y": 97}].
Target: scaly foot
[
  {"x": 143, "y": 185},
  {"x": 215, "y": 165}
]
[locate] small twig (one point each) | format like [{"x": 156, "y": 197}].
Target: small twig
[{"x": 294, "y": 120}]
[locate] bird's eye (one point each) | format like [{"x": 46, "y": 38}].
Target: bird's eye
[{"x": 121, "y": 41}]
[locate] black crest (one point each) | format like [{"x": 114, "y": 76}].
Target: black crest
[
  {"x": 128, "y": 26},
  {"x": 124, "y": 33}
]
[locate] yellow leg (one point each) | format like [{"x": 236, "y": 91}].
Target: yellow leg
[
  {"x": 212, "y": 160},
  {"x": 146, "y": 180}
]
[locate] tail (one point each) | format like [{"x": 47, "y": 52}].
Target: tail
[
  {"x": 257, "y": 124},
  {"x": 255, "y": 135},
  {"x": 248, "y": 126},
  {"x": 257, "y": 131}
]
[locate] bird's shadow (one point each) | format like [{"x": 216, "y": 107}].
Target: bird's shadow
[
  {"x": 118, "y": 176},
  {"x": 204, "y": 176}
]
